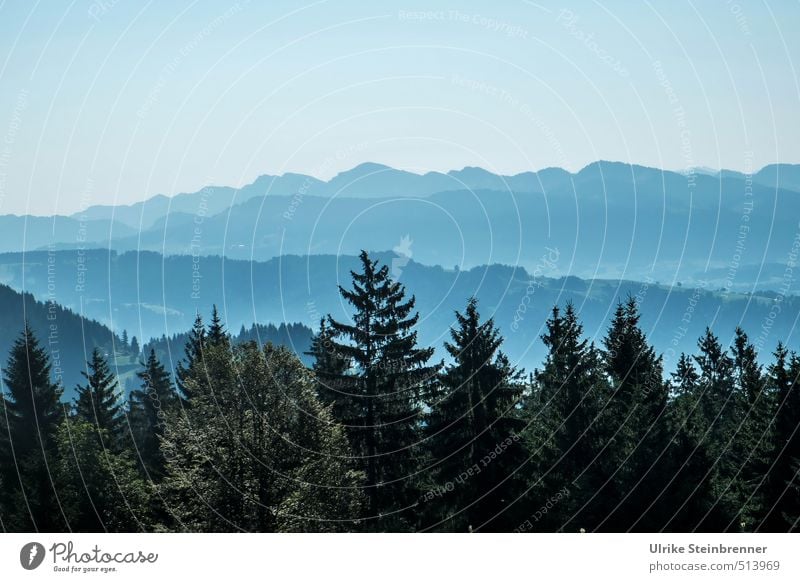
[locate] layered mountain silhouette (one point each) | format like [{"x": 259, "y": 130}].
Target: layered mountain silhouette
[
  {"x": 151, "y": 295},
  {"x": 67, "y": 336},
  {"x": 275, "y": 250},
  {"x": 610, "y": 220}
]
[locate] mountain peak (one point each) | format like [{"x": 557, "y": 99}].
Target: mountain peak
[{"x": 364, "y": 169}]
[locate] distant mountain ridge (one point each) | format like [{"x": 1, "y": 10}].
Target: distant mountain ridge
[
  {"x": 372, "y": 180},
  {"x": 610, "y": 220},
  {"x": 152, "y": 295},
  {"x": 67, "y": 336}
]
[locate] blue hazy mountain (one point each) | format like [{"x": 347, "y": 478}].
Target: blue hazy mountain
[
  {"x": 296, "y": 336},
  {"x": 67, "y": 336},
  {"x": 608, "y": 220},
  {"x": 36, "y": 232},
  {"x": 779, "y": 176},
  {"x": 367, "y": 180},
  {"x": 151, "y": 295},
  {"x": 725, "y": 229},
  {"x": 373, "y": 180}
]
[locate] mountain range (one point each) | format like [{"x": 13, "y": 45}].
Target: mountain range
[
  {"x": 67, "y": 337},
  {"x": 696, "y": 248},
  {"x": 611, "y": 220},
  {"x": 371, "y": 180},
  {"x": 151, "y": 295}
]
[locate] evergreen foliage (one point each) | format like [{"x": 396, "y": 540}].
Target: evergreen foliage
[
  {"x": 473, "y": 430},
  {"x": 32, "y": 413},
  {"x": 379, "y": 399},
  {"x": 149, "y": 407},
  {"x": 99, "y": 402},
  {"x": 372, "y": 436}
]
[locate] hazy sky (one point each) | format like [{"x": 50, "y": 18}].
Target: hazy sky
[{"x": 113, "y": 101}]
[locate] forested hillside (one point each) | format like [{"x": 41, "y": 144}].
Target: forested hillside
[
  {"x": 152, "y": 295},
  {"x": 66, "y": 336},
  {"x": 381, "y": 433}
]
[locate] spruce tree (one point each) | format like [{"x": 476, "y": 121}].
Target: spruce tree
[
  {"x": 721, "y": 417},
  {"x": 685, "y": 378},
  {"x": 473, "y": 429},
  {"x": 149, "y": 409},
  {"x": 33, "y": 401},
  {"x": 216, "y": 330},
  {"x": 562, "y": 431},
  {"x": 328, "y": 366},
  {"x": 632, "y": 424},
  {"x": 135, "y": 349},
  {"x": 33, "y": 410},
  {"x": 704, "y": 420},
  {"x": 754, "y": 440},
  {"x": 99, "y": 490},
  {"x": 98, "y": 402},
  {"x": 381, "y": 397},
  {"x": 716, "y": 369},
  {"x": 193, "y": 357},
  {"x": 686, "y": 493},
  {"x": 781, "y": 505}
]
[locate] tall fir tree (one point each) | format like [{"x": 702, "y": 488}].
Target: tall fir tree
[
  {"x": 703, "y": 422},
  {"x": 686, "y": 493},
  {"x": 721, "y": 418},
  {"x": 33, "y": 410},
  {"x": 381, "y": 398},
  {"x": 781, "y": 504},
  {"x": 753, "y": 444},
  {"x": 473, "y": 428},
  {"x": 216, "y": 334},
  {"x": 632, "y": 424},
  {"x": 149, "y": 407},
  {"x": 563, "y": 434},
  {"x": 98, "y": 402},
  {"x": 193, "y": 357},
  {"x": 328, "y": 366}
]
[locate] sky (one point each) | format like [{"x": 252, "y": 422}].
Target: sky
[{"x": 114, "y": 101}]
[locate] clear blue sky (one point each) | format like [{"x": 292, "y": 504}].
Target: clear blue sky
[{"x": 104, "y": 101}]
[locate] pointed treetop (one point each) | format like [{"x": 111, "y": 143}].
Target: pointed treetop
[
  {"x": 98, "y": 401},
  {"x": 216, "y": 329}
]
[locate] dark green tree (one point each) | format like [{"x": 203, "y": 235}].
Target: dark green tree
[
  {"x": 632, "y": 425},
  {"x": 33, "y": 411},
  {"x": 563, "y": 435},
  {"x": 473, "y": 428},
  {"x": 149, "y": 407},
  {"x": 781, "y": 503},
  {"x": 703, "y": 421},
  {"x": 99, "y": 490},
  {"x": 193, "y": 357},
  {"x": 216, "y": 329},
  {"x": 329, "y": 366},
  {"x": 381, "y": 397},
  {"x": 753, "y": 443},
  {"x": 98, "y": 402},
  {"x": 685, "y": 493},
  {"x": 722, "y": 417}
]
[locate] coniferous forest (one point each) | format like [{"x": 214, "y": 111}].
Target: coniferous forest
[{"x": 382, "y": 434}]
